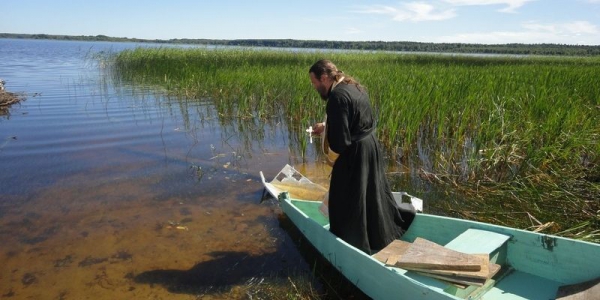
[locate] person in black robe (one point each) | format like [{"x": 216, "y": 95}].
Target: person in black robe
[{"x": 362, "y": 209}]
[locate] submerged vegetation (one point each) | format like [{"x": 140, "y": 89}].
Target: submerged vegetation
[
  {"x": 518, "y": 136},
  {"x": 7, "y": 99}
]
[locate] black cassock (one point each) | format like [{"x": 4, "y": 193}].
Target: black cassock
[{"x": 362, "y": 210}]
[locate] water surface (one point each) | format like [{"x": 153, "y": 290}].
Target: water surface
[
  {"x": 116, "y": 192},
  {"x": 111, "y": 191}
]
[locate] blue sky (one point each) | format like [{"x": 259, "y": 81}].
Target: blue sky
[{"x": 447, "y": 21}]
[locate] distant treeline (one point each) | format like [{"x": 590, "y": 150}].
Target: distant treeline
[{"x": 509, "y": 49}]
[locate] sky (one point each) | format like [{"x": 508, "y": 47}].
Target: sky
[{"x": 573, "y": 22}]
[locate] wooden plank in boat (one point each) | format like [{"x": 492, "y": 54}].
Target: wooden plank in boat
[
  {"x": 456, "y": 279},
  {"x": 392, "y": 252},
  {"x": 488, "y": 270},
  {"x": 424, "y": 254}
]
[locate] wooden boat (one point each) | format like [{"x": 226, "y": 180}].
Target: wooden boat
[{"x": 531, "y": 265}]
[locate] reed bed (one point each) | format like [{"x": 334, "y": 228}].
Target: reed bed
[{"x": 493, "y": 128}]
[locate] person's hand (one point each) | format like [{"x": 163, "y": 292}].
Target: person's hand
[{"x": 318, "y": 128}]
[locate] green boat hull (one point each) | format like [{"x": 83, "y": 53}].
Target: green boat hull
[{"x": 534, "y": 265}]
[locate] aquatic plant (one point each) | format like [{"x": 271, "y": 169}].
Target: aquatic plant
[{"x": 522, "y": 128}]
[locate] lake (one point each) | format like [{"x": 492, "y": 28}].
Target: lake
[
  {"x": 112, "y": 191},
  {"x": 119, "y": 192}
]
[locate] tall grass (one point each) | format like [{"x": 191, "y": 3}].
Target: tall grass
[{"x": 525, "y": 128}]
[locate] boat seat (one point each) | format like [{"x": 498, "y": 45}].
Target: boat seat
[{"x": 475, "y": 241}]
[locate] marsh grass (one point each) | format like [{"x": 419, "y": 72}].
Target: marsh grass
[
  {"x": 512, "y": 133},
  {"x": 294, "y": 287}
]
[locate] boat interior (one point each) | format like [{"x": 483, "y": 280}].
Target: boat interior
[{"x": 530, "y": 265}]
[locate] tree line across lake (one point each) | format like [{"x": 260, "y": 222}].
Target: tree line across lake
[{"x": 508, "y": 49}]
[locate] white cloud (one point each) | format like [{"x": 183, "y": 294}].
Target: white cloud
[
  {"x": 418, "y": 11},
  {"x": 581, "y": 27},
  {"x": 569, "y": 32},
  {"x": 571, "y": 28},
  {"x": 512, "y": 5},
  {"x": 577, "y": 32},
  {"x": 413, "y": 11}
]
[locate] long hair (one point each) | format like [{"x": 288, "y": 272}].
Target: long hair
[{"x": 326, "y": 67}]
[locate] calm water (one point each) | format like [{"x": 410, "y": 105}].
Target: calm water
[{"x": 96, "y": 177}]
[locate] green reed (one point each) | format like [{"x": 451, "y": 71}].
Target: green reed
[
  {"x": 519, "y": 127},
  {"x": 242, "y": 83}
]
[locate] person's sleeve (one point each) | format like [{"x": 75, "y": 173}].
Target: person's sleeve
[{"x": 338, "y": 127}]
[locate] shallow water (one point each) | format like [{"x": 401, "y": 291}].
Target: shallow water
[
  {"x": 110, "y": 191},
  {"x": 113, "y": 192}
]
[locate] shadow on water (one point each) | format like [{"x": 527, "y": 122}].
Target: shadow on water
[
  {"x": 242, "y": 274},
  {"x": 225, "y": 270},
  {"x": 228, "y": 269}
]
